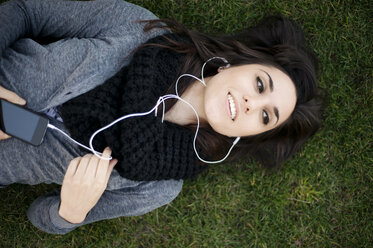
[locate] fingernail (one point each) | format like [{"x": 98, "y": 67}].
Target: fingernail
[
  {"x": 108, "y": 149},
  {"x": 22, "y": 101}
]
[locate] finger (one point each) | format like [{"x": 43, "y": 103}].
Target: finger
[
  {"x": 4, "y": 136},
  {"x": 72, "y": 167},
  {"x": 113, "y": 162},
  {"x": 110, "y": 169},
  {"x": 103, "y": 164},
  {"x": 11, "y": 96},
  {"x": 92, "y": 167},
  {"x": 80, "y": 171}
]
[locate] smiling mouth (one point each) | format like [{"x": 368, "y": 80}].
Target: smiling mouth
[{"x": 232, "y": 106}]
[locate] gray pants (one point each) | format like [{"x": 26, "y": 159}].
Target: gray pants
[{"x": 92, "y": 38}]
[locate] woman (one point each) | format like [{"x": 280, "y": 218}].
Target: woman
[{"x": 261, "y": 90}]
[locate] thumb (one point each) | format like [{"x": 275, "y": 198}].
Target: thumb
[
  {"x": 11, "y": 96},
  {"x": 3, "y": 135}
]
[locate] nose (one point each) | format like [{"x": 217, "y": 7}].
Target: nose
[{"x": 252, "y": 103}]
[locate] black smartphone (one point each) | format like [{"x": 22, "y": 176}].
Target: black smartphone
[{"x": 22, "y": 123}]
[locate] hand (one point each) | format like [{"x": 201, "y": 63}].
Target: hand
[
  {"x": 10, "y": 97},
  {"x": 84, "y": 182}
]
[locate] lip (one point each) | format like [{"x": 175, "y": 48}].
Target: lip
[{"x": 229, "y": 109}]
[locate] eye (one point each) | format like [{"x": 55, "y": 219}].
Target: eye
[
  {"x": 265, "y": 117},
  {"x": 259, "y": 85}
]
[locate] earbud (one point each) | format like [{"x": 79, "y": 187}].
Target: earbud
[
  {"x": 203, "y": 67},
  {"x": 224, "y": 60}
]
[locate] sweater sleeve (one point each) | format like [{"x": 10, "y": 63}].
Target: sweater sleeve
[
  {"x": 43, "y": 213},
  {"x": 67, "y": 19},
  {"x": 91, "y": 40}
]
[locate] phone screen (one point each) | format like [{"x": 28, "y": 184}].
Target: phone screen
[{"x": 21, "y": 123}]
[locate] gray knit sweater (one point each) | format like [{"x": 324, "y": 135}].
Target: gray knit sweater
[{"x": 91, "y": 38}]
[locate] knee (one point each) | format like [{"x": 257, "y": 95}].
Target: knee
[{"x": 165, "y": 191}]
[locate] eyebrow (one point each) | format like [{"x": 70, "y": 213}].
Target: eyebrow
[{"x": 275, "y": 109}]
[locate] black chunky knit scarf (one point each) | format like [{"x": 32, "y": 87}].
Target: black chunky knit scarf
[{"x": 146, "y": 148}]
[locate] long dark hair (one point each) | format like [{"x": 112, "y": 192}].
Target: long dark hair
[{"x": 277, "y": 42}]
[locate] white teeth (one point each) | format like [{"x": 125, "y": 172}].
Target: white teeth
[{"x": 232, "y": 106}]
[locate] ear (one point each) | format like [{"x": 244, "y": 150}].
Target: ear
[{"x": 221, "y": 68}]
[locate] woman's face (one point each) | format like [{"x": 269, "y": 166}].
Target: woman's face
[{"x": 249, "y": 99}]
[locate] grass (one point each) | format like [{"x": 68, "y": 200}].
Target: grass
[{"x": 320, "y": 198}]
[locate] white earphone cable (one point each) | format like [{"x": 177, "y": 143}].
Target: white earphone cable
[{"x": 161, "y": 99}]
